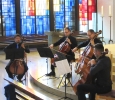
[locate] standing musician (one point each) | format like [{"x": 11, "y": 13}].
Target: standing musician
[
  {"x": 16, "y": 45},
  {"x": 70, "y": 55},
  {"x": 99, "y": 73},
  {"x": 90, "y": 35}
]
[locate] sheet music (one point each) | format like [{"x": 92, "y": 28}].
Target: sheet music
[{"x": 63, "y": 67}]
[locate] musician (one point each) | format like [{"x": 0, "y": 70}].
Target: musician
[
  {"x": 70, "y": 55},
  {"x": 100, "y": 73},
  {"x": 16, "y": 45},
  {"x": 90, "y": 35}
]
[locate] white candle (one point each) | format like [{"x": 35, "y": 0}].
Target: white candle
[
  {"x": 109, "y": 10},
  {"x": 102, "y": 11}
]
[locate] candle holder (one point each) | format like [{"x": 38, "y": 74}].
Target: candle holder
[
  {"x": 110, "y": 31},
  {"x": 102, "y": 31}
]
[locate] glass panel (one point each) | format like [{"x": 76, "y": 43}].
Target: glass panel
[
  {"x": 42, "y": 16},
  {"x": 27, "y": 16},
  {"x": 59, "y": 14},
  {"x": 34, "y": 22},
  {"x": 8, "y": 17},
  {"x": 87, "y": 15},
  {"x": 70, "y": 13}
]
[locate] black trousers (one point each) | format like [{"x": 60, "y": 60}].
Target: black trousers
[
  {"x": 11, "y": 75},
  {"x": 92, "y": 89}
]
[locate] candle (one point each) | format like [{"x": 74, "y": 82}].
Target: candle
[
  {"x": 102, "y": 11},
  {"x": 109, "y": 10}
]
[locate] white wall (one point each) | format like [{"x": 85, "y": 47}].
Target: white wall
[{"x": 106, "y": 19}]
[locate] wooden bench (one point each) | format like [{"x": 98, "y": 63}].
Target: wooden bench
[
  {"x": 29, "y": 40},
  {"x": 25, "y": 93}
]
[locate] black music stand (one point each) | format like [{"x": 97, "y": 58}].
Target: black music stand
[
  {"x": 45, "y": 52},
  {"x": 13, "y": 54},
  {"x": 62, "y": 62}
]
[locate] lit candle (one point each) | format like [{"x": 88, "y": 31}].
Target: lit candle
[
  {"x": 102, "y": 11},
  {"x": 109, "y": 10}
]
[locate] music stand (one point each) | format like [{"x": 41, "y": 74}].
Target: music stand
[
  {"x": 13, "y": 54},
  {"x": 45, "y": 52},
  {"x": 63, "y": 64}
]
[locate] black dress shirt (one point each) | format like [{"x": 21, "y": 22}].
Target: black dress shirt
[{"x": 102, "y": 71}]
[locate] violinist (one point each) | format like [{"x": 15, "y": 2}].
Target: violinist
[
  {"x": 99, "y": 73},
  {"x": 90, "y": 35},
  {"x": 70, "y": 55},
  {"x": 16, "y": 45}
]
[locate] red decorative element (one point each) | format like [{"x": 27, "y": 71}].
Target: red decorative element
[
  {"x": 30, "y": 8},
  {"x": 80, "y": 7},
  {"x": 90, "y": 16},
  {"x": 86, "y": 9}
]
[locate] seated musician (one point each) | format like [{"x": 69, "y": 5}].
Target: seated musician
[
  {"x": 90, "y": 35},
  {"x": 70, "y": 55},
  {"x": 99, "y": 73},
  {"x": 17, "y": 44}
]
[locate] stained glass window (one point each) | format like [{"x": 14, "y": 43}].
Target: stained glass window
[
  {"x": 87, "y": 14},
  {"x": 42, "y": 16},
  {"x": 8, "y": 17},
  {"x": 61, "y": 19},
  {"x": 34, "y": 16},
  {"x": 27, "y": 16}
]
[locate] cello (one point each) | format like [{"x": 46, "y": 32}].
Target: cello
[
  {"x": 17, "y": 66},
  {"x": 81, "y": 66},
  {"x": 64, "y": 48}
]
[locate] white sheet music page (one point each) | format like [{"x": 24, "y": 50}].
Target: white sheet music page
[{"x": 63, "y": 67}]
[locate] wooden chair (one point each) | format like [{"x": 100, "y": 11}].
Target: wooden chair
[{"x": 110, "y": 95}]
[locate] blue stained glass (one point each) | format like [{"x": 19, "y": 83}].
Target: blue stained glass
[
  {"x": 28, "y": 21},
  {"x": 80, "y": 1},
  {"x": 59, "y": 15},
  {"x": 8, "y": 13}
]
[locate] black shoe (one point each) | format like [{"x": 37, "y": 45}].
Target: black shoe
[{"x": 51, "y": 74}]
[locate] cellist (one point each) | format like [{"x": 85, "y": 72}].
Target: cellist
[
  {"x": 72, "y": 42},
  {"x": 16, "y": 45},
  {"x": 100, "y": 73},
  {"x": 90, "y": 35}
]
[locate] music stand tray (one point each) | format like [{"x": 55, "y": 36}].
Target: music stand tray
[
  {"x": 14, "y": 53},
  {"x": 45, "y": 52}
]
